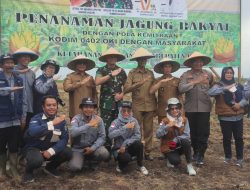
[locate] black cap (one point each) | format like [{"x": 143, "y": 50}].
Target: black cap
[
  {"x": 88, "y": 101},
  {"x": 126, "y": 104},
  {"x": 50, "y": 62},
  {"x": 6, "y": 56}
]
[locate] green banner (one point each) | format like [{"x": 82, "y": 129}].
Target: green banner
[{"x": 63, "y": 29}]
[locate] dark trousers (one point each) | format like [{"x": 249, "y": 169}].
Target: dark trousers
[
  {"x": 108, "y": 117},
  {"x": 199, "y": 123},
  {"x": 135, "y": 149},
  {"x": 174, "y": 156},
  {"x": 35, "y": 159},
  {"x": 236, "y": 128},
  {"x": 9, "y": 137}
]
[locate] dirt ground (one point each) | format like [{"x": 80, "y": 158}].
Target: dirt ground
[{"x": 214, "y": 175}]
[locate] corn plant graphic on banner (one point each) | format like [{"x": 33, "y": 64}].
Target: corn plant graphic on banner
[{"x": 63, "y": 29}]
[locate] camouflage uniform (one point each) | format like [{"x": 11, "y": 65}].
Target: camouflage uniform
[{"x": 108, "y": 105}]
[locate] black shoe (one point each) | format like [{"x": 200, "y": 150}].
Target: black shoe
[
  {"x": 52, "y": 172},
  {"x": 200, "y": 161},
  {"x": 148, "y": 157},
  {"x": 28, "y": 178}
]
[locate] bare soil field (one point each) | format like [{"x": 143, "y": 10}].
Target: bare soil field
[{"x": 214, "y": 175}]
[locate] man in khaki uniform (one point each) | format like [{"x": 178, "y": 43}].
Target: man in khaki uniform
[
  {"x": 195, "y": 83},
  {"x": 79, "y": 84},
  {"x": 139, "y": 82},
  {"x": 167, "y": 85}
]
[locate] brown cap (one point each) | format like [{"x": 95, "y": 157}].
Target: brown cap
[
  {"x": 80, "y": 59},
  {"x": 158, "y": 68},
  {"x": 111, "y": 52},
  {"x": 26, "y": 51},
  {"x": 196, "y": 55},
  {"x": 141, "y": 53}
]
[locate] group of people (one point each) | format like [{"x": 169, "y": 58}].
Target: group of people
[{"x": 31, "y": 126}]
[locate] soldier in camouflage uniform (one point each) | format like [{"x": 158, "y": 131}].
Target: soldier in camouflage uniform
[{"x": 111, "y": 78}]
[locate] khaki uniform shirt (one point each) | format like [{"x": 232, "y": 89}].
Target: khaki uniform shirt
[
  {"x": 196, "y": 96},
  {"x": 142, "y": 100},
  {"x": 78, "y": 92},
  {"x": 167, "y": 90}
]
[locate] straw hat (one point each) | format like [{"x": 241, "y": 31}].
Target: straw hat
[
  {"x": 80, "y": 59},
  {"x": 113, "y": 52},
  {"x": 50, "y": 62},
  {"x": 26, "y": 51},
  {"x": 141, "y": 53},
  {"x": 196, "y": 55},
  {"x": 158, "y": 68}
]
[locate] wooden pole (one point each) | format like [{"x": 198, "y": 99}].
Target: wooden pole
[{"x": 214, "y": 71}]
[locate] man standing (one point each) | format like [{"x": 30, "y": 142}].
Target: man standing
[
  {"x": 112, "y": 79},
  {"x": 144, "y": 104},
  {"x": 88, "y": 136},
  {"x": 24, "y": 56},
  {"x": 46, "y": 140},
  {"x": 167, "y": 85},
  {"x": 195, "y": 83},
  {"x": 11, "y": 103},
  {"x": 45, "y": 84},
  {"x": 79, "y": 84}
]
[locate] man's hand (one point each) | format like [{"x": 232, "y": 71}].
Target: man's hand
[
  {"x": 203, "y": 78},
  {"x": 15, "y": 88},
  {"x": 22, "y": 71},
  {"x": 46, "y": 154},
  {"x": 58, "y": 119},
  {"x": 84, "y": 81},
  {"x": 116, "y": 72},
  {"x": 166, "y": 80},
  {"x": 56, "y": 77},
  {"x": 130, "y": 125},
  {"x": 122, "y": 149},
  {"x": 94, "y": 122},
  {"x": 88, "y": 151}
]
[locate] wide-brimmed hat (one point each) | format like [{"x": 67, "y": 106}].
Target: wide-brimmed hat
[
  {"x": 50, "y": 62},
  {"x": 26, "y": 51},
  {"x": 80, "y": 59},
  {"x": 141, "y": 53},
  {"x": 158, "y": 68},
  {"x": 5, "y": 57},
  {"x": 196, "y": 55},
  {"x": 111, "y": 52},
  {"x": 88, "y": 101}
]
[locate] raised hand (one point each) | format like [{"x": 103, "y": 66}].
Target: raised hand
[
  {"x": 58, "y": 119},
  {"x": 94, "y": 122},
  {"x": 84, "y": 81},
  {"x": 15, "y": 88},
  {"x": 130, "y": 125},
  {"x": 56, "y": 77},
  {"x": 116, "y": 72}
]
